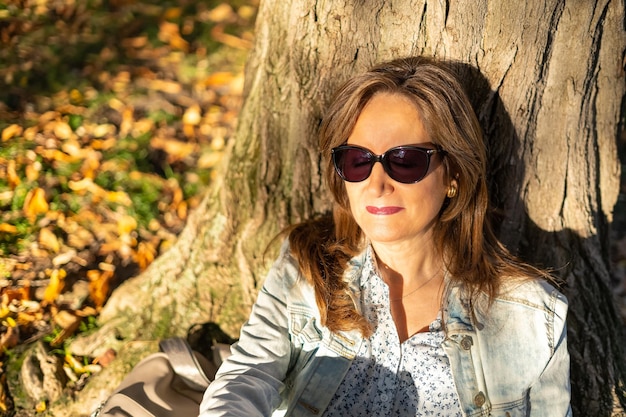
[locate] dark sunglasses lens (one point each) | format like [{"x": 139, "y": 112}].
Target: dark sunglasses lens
[
  {"x": 352, "y": 164},
  {"x": 406, "y": 165}
]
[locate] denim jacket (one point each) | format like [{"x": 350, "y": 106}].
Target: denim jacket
[{"x": 511, "y": 361}]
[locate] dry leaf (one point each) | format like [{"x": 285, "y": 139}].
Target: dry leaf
[
  {"x": 223, "y": 12},
  {"x": 106, "y": 358},
  {"x": 99, "y": 286},
  {"x": 192, "y": 115},
  {"x": 63, "y": 258},
  {"x": 3, "y": 394},
  {"x": 118, "y": 197},
  {"x": 145, "y": 254},
  {"x": 172, "y": 13},
  {"x": 68, "y": 322},
  {"x": 11, "y": 337},
  {"x": 48, "y": 240},
  {"x": 128, "y": 120},
  {"x": 55, "y": 286},
  {"x": 218, "y": 79},
  {"x": 33, "y": 170},
  {"x": 126, "y": 225},
  {"x": 12, "y": 177},
  {"x": 8, "y": 228},
  {"x": 175, "y": 149},
  {"x": 62, "y": 130},
  {"x": 11, "y": 131},
  {"x": 35, "y": 203},
  {"x": 230, "y": 40}
]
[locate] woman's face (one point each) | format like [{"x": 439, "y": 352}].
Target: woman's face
[{"x": 391, "y": 212}]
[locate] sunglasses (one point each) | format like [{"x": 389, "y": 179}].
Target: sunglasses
[{"x": 405, "y": 164}]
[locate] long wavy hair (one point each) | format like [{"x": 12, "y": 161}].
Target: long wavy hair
[{"x": 473, "y": 255}]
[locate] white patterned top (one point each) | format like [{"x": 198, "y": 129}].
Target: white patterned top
[{"x": 389, "y": 378}]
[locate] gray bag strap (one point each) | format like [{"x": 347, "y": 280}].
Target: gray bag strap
[{"x": 185, "y": 363}]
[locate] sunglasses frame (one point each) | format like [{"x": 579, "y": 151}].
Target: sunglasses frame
[{"x": 383, "y": 160}]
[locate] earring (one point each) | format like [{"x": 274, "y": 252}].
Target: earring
[{"x": 451, "y": 191}]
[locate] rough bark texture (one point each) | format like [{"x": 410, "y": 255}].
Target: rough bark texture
[{"x": 547, "y": 80}]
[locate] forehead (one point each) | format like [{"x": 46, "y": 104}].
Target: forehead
[{"x": 389, "y": 120}]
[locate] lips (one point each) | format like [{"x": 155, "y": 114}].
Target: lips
[{"x": 383, "y": 210}]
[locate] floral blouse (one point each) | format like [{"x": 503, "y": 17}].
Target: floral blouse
[{"x": 389, "y": 378}]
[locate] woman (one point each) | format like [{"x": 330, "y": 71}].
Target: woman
[{"x": 404, "y": 302}]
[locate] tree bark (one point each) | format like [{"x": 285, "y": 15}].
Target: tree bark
[{"x": 547, "y": 81}]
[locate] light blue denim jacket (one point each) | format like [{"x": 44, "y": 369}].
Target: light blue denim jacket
[{"x": 510, "y": 362}]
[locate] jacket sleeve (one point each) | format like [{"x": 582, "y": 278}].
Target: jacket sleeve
[
  {"x": 250, "y": 381},
  {"x": 550, "y": 395}
]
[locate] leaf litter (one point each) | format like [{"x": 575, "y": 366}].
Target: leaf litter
[{"x": 113, "y": 121}]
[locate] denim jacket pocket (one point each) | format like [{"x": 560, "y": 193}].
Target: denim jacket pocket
[
  {"x": 303, "y": 328},
  {"x": 517, "y": 408}
]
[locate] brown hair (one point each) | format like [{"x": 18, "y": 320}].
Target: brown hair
[{"x": 473, "y": 255}]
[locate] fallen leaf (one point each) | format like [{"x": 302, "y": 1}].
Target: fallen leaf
[
  {"x": 12, "y": 177},
  {"x": 11, "y": 131},
  {"x": 62, "y": 130},
  {"x": 48, "y": 240},
  {"x": 145, "y": 254},
  {"x": 221, "y": 13},
  {"x": 106, "y": 358},
  {"x": 55, "y": 286},
  {"x": 11, "y": 337},
  {"x": 8, "y": 228},
  {"x": 69, "y": 323},
  {"x": 35, "y": 203},
  {"x": 118, "y": 197},
  {"x": 192, "y": 115},
  {"x": 3, "y": 394},
  {"x": 218, "y": 79},
  {"x": 32, "y": 171},
  {"x": 126, "y": 225},
  {"x": 175, "y": 149},
  {"x": 99, "y": 286},
  {"x": 63, "y": 258}
]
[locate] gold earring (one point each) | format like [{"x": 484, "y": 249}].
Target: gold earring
[{"x": 451, "y": 191}]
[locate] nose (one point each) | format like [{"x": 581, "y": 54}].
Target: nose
[{"x": 379, "y": 183}]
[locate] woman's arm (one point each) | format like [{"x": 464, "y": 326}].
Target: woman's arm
[
  {"x": 550, "y": 395},
  {"x": 250, "y": 381}
]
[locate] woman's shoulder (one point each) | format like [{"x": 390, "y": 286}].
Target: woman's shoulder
[{"x": 531, "y": 293}]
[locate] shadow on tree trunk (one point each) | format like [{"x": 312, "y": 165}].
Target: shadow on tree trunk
[{"x": 579, "y": 264}]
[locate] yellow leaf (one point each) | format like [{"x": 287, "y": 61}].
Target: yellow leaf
[
  {"x": 125, "y": 225},
  {"x": 222, "y": 13},
  {"x": 40, "y": 407},
  {"x": 218, "y": 79},
  {"x": 62, "y": 130},
  {"x": 99, "y": 286},
  {"x": 55, "y": 286},
  {"x": 11, "y": 131},
  {"x": 14, "y": 179},
  {"x": 145, "y": 254},
  {"x": 33, "y": 170},
  {"x": 76, "y": 96},
  {"x": 8, "y": 228},
  {"x": 192, "y": 115},
  {"x": 176, "y": 150},
  {"x": 4, "y": 311},
  {"x": 172, "y": 13},
  {"x": 35, "y": 203},
  {"x": 48, "y": 240},
  {"x": 119, "y": 197},
  {"x": 177, "y": 42}
]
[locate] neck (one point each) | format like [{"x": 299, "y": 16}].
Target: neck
[{"x": 409, "y": 266}]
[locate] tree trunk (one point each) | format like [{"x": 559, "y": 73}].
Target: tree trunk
[{"x": 547, "y": 80}]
